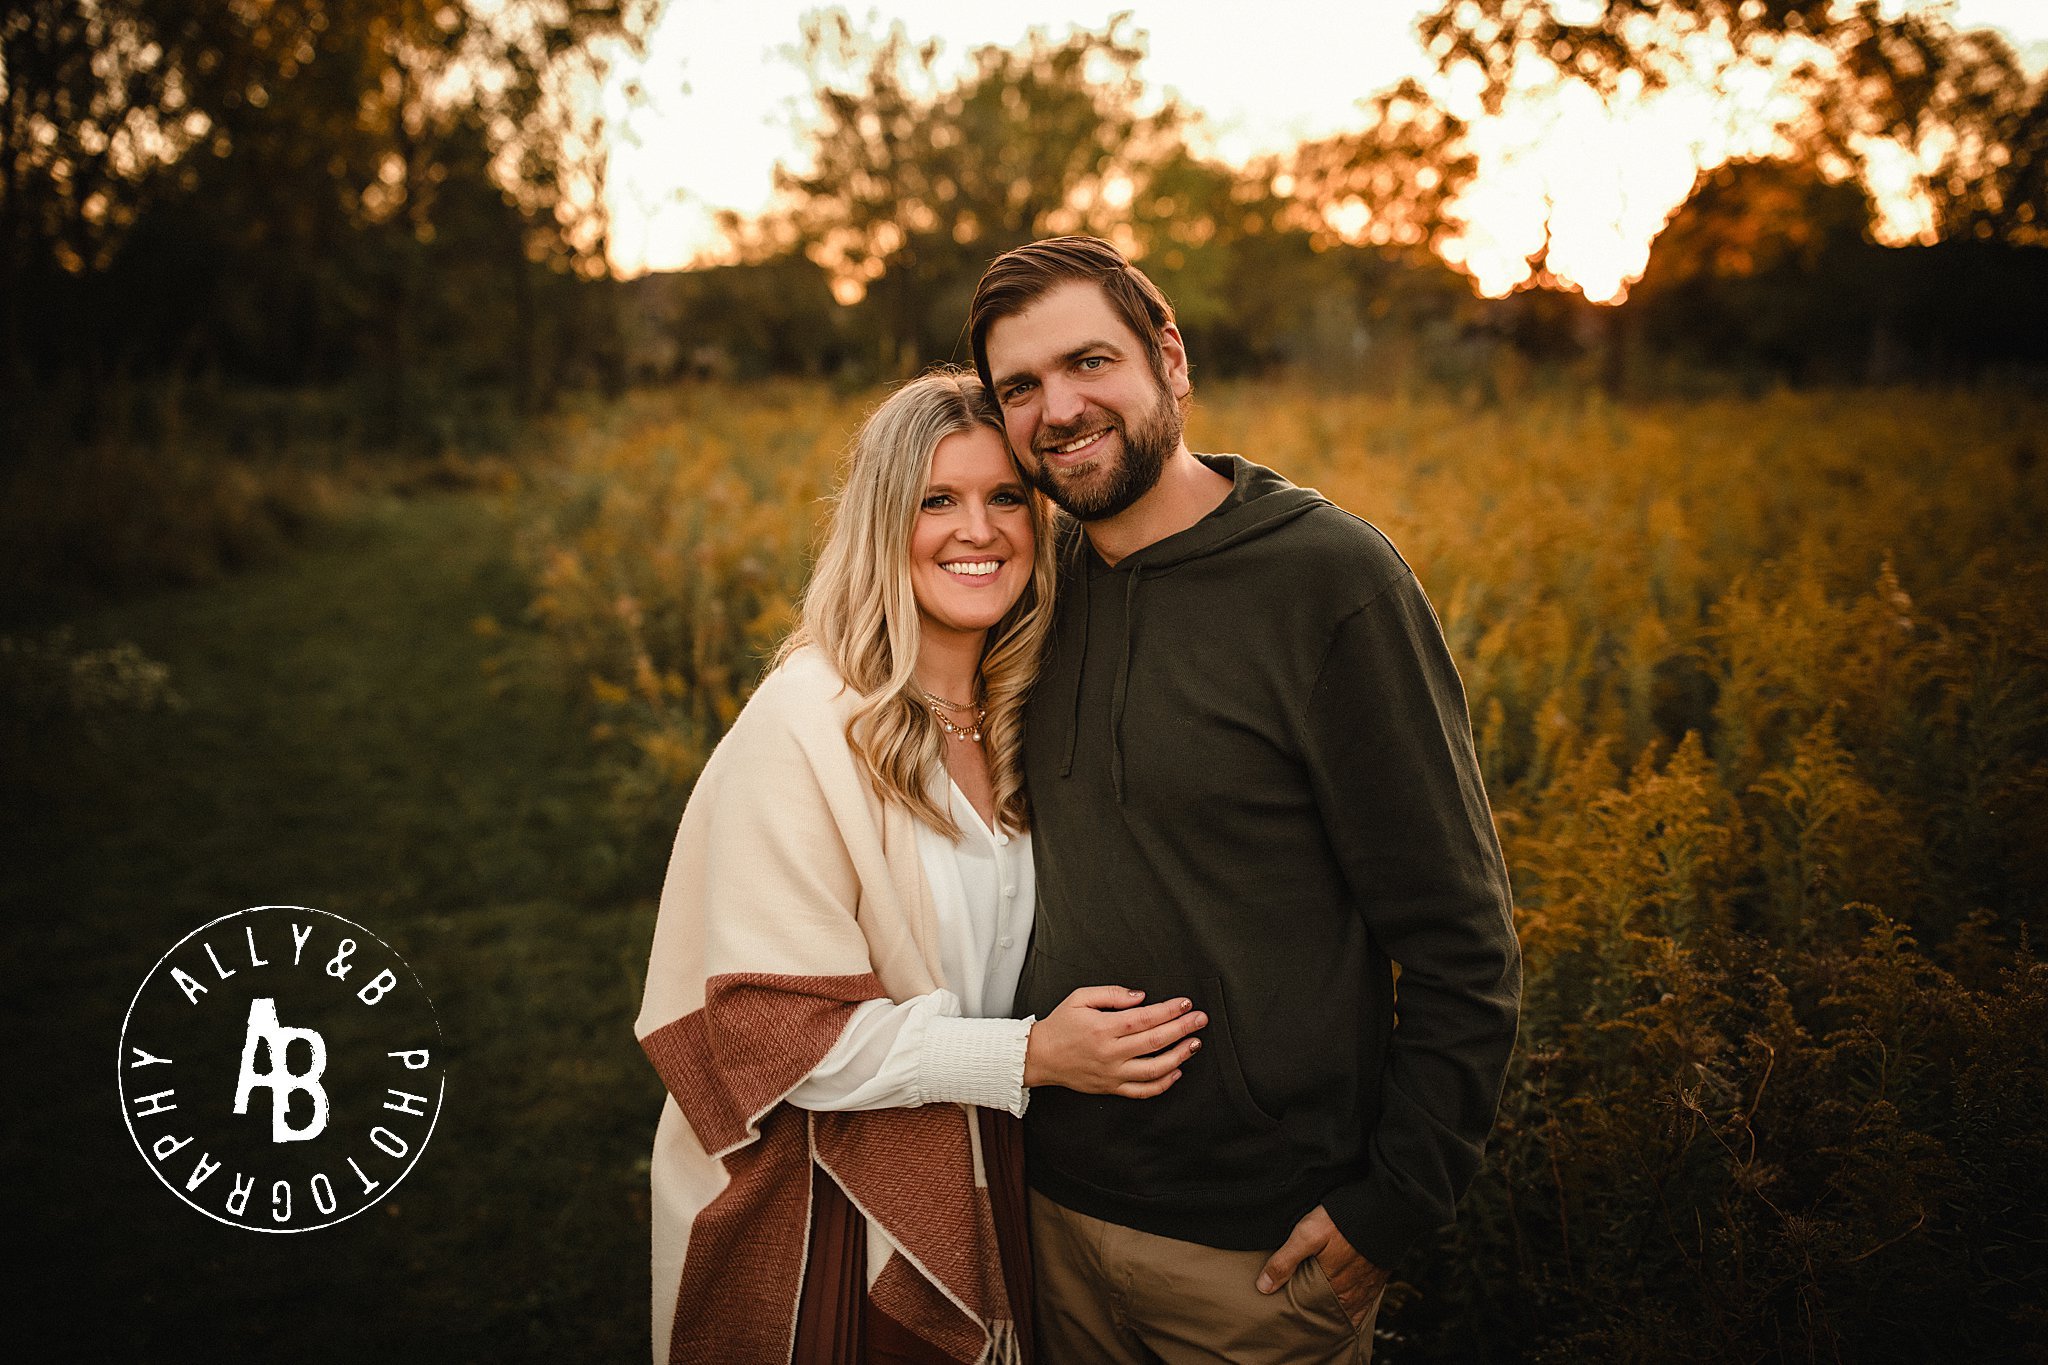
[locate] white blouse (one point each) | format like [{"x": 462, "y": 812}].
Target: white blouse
[{"x": 951, "y": 1045}]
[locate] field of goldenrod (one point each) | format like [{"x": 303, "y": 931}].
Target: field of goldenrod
[{"x": 1761, "y": 690}]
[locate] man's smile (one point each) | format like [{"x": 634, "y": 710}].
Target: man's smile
[{"x": 1077, "y": 448}]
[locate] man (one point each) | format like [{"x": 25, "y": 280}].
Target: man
[{"x": 1254, "y": 788}]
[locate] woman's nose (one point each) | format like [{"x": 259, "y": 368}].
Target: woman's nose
[{"x": 978, "y": 528}]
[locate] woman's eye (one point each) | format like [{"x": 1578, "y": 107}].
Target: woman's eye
[
  {"x": 1009, "y": 498},
  {"x": 937, "y": 501}
]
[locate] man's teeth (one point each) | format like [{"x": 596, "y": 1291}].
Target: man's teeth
[
  {"x": 979, "y": 568},
  {"x": 1075, "y": 444}
]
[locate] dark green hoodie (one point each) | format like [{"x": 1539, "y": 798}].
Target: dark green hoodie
[{"x": 1253, "y": 784}]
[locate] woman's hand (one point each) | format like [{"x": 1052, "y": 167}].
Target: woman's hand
[{"x": 1099, "y": 1043}]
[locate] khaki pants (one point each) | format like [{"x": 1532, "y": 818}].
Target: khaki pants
[{"x": 1111, "y": 1295}]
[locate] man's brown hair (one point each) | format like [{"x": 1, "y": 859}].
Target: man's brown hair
[{"x": 1017, "y": 279}]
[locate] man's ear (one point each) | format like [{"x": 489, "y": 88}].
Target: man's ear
[{"x": 1173, "y": 352}]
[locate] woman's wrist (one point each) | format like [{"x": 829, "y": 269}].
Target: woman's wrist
[{"x": 1041, "y": 1061}]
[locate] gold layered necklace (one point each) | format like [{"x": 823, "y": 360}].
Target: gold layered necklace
[{"x": 963, "y": 733}]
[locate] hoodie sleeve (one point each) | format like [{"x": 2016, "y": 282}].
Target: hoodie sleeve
[{"x": 1389, "y": 747}]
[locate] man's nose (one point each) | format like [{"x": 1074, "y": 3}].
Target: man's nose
[{"x": 1063, "y": 401}]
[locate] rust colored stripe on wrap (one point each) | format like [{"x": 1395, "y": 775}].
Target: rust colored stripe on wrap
[
  {"x": 745, "y": 1267},
  {"x": 756, "y": 1036},
  {"x": 836, "y": 1323},
  {"x": 913, "y": 1170}
]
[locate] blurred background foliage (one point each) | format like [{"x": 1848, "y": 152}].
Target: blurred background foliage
[
  {"x": 326, "y": 244},
  {"x": 1744, "y": 576},
  {"x": 321, "y": 244},
  {"x": 398, "y": 204}
]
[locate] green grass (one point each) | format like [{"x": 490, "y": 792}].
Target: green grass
[{"x": 347, "y": 740}]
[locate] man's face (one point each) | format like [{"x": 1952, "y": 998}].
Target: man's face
[{"x": 1091, "y": 424}]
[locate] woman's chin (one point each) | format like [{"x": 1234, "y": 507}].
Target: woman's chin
[{"x": 971, "y": 617}]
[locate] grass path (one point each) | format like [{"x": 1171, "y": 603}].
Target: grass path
[{"x": 350, "y": 742}]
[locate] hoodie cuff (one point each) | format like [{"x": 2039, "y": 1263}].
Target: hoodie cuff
[
  {"x": 974, "y": 1061},
  {"x": 1380, "y": 1225}
]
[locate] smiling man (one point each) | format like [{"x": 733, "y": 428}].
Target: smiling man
[{"x": 1253, "y": 786}]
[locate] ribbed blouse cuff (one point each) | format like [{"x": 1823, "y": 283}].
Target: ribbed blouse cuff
[{"x": 974, "y": 1061}]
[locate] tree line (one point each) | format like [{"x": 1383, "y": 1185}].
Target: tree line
[
  {"x": 396, "y": 197},
  {"x": 401, "y": 203}
]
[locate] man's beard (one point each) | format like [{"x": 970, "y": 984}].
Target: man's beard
[{"x": 1098, "y": 494}]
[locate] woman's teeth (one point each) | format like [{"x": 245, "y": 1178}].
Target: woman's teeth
[{"x": 979, "y": 568}]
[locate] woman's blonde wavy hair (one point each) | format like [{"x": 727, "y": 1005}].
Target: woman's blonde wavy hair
[{"x": 860, "y": 612}]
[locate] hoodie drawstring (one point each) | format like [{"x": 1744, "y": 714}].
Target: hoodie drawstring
[
  {"x": 1122, "y": 688},
  {"x": 1079, "y": 581}
]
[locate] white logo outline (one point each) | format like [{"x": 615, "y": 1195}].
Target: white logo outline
[{"x": 121, "y": 1065}]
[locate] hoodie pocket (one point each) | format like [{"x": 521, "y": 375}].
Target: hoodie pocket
[
  {"x": 1229, "y": 1063},
  {"x": 1205, "y": 1132}
]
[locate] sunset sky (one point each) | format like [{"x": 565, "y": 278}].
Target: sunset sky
[{"x": 720, "y": 99}]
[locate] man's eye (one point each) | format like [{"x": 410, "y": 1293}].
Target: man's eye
[
  {"x": 1015, "y": 392},
  {"x": 1093, "y": 362}
]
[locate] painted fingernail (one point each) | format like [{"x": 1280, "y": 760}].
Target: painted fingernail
[{"x": 1194, "y": 1044}]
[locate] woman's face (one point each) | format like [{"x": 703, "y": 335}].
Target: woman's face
[{"x": 971, "y": 545}]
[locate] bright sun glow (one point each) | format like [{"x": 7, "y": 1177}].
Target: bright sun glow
[
  {"x": 1582, "y": 185},
  {"x": 1587, "y": 184}
]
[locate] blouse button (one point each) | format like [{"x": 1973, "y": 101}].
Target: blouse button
[
  {"x": 1002, "y": 838},
  {"x": 1004, "y": 940},
  {"x": 1009, "y": 891}
]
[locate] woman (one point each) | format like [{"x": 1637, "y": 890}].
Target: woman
[{"x": 836, "y": 1173}]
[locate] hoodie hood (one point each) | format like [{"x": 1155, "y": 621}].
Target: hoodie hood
[{"x": 1259, "y": 502}]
